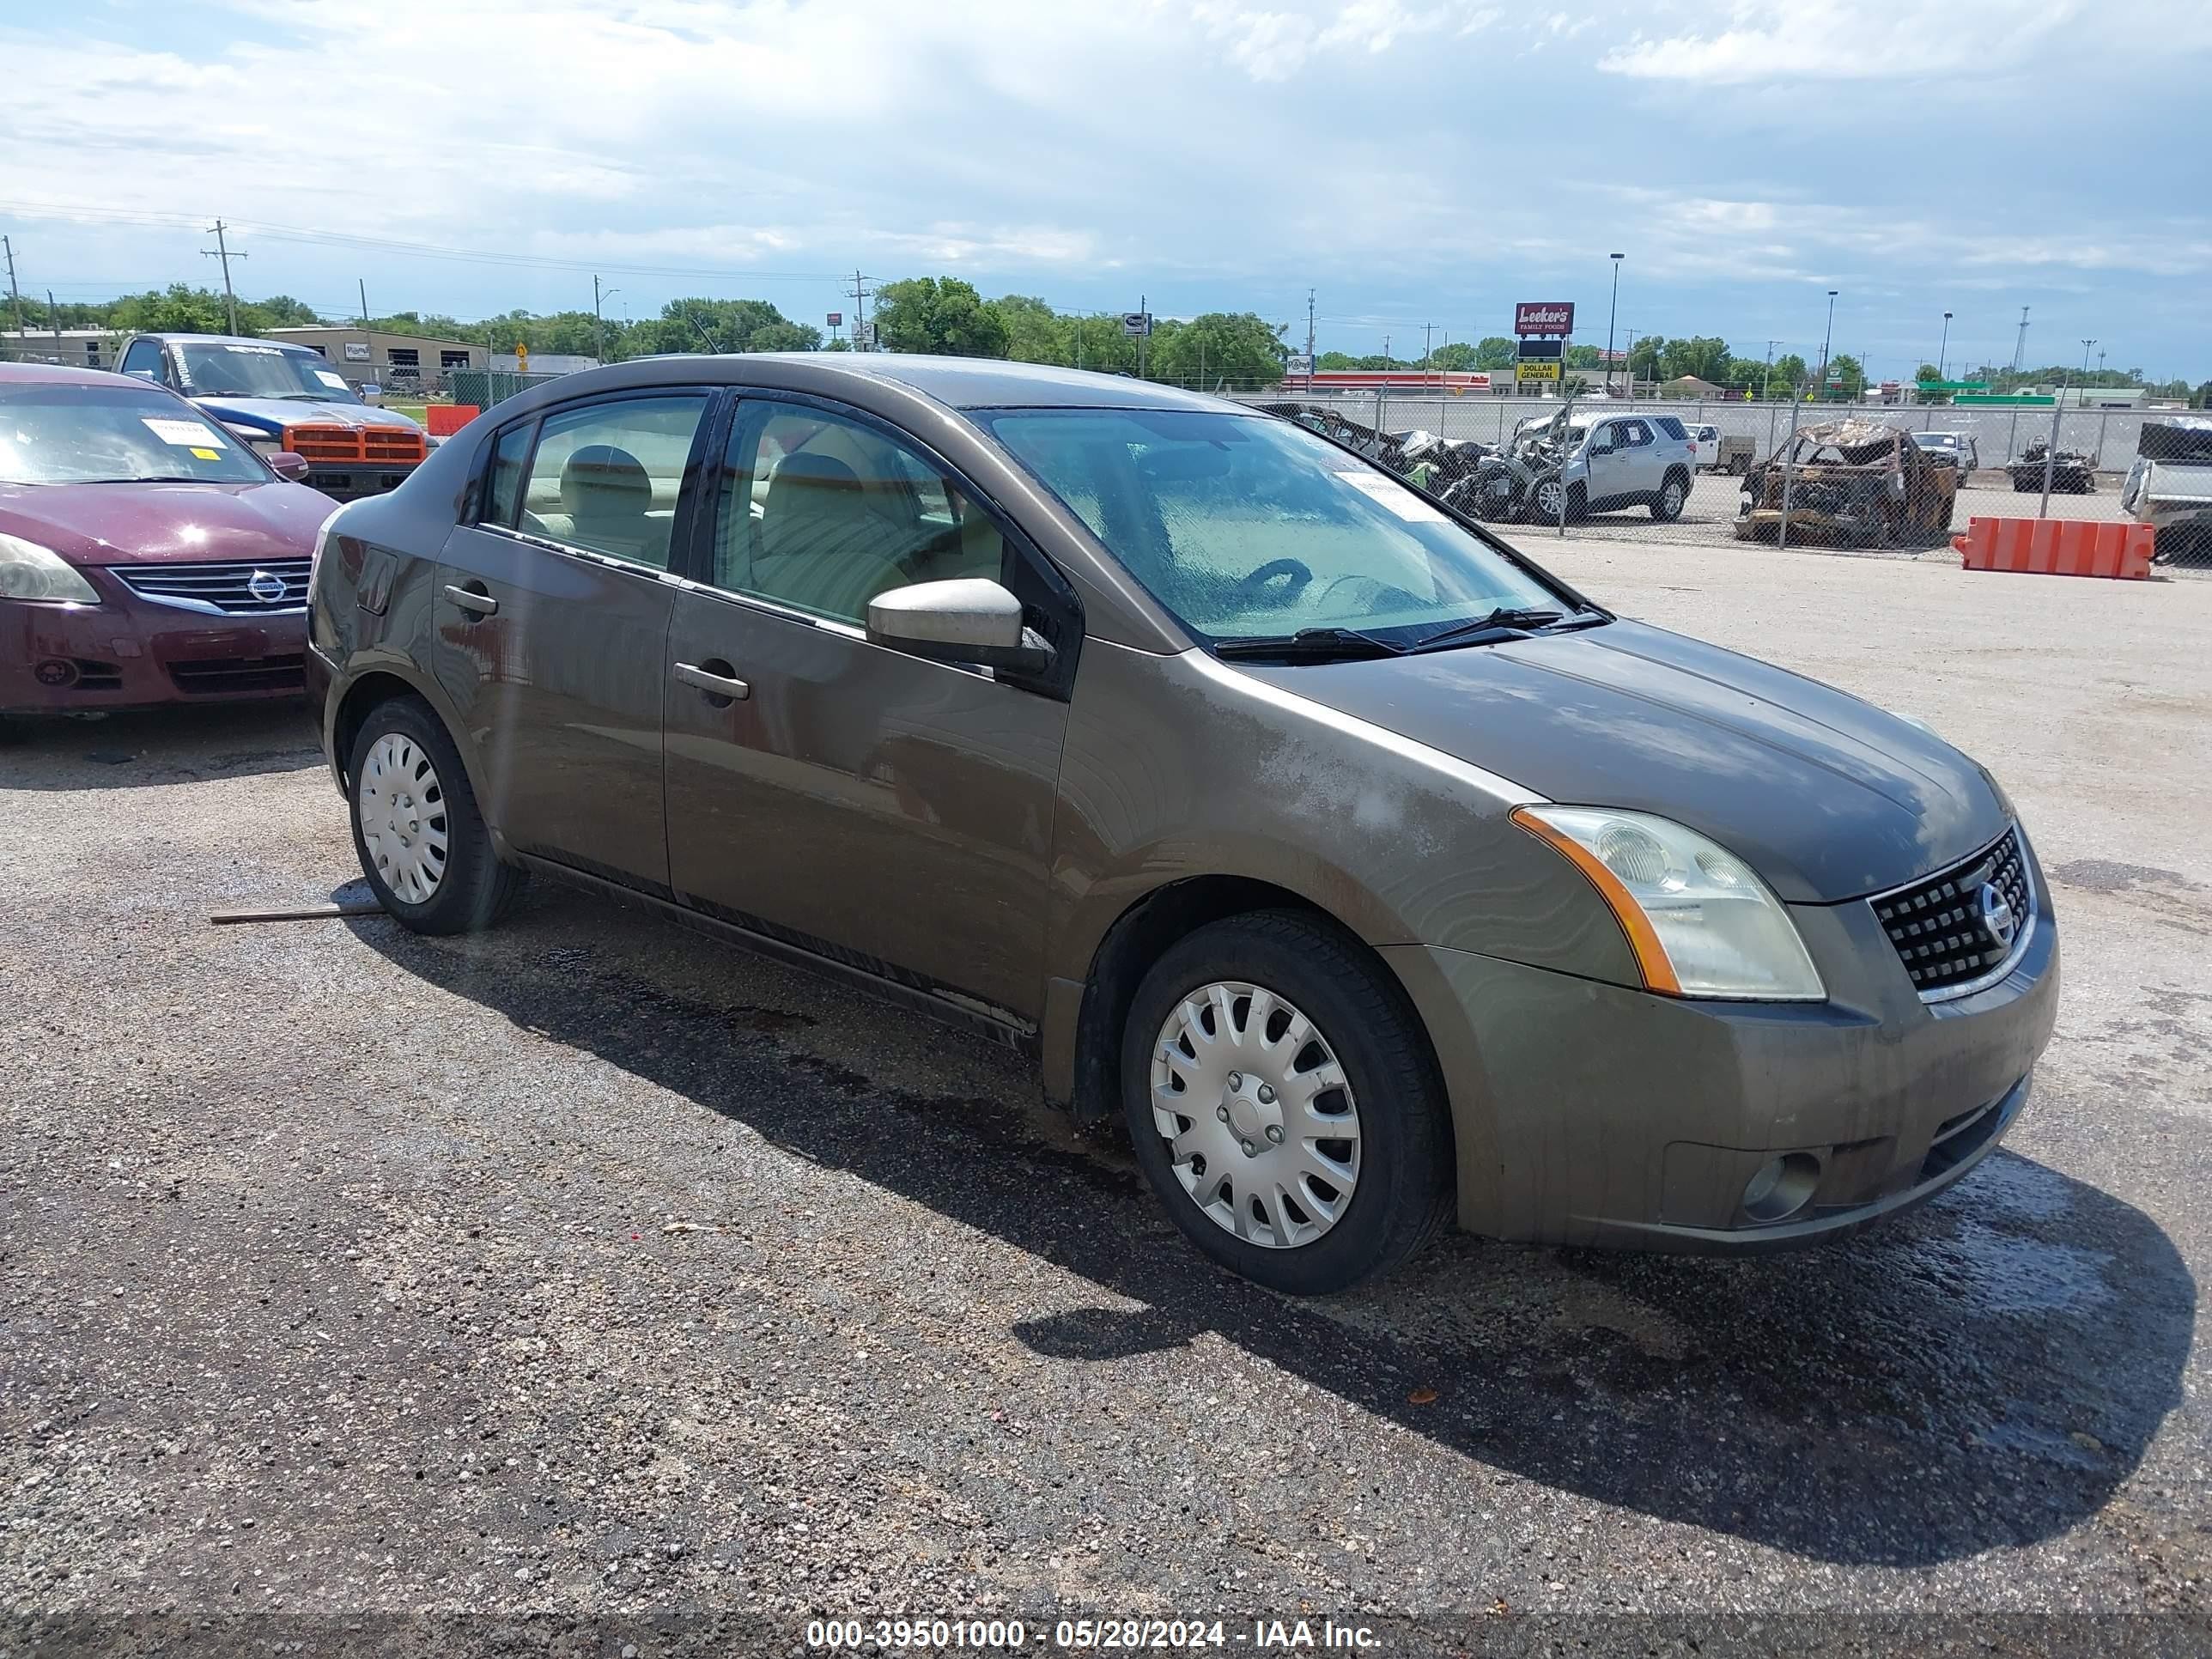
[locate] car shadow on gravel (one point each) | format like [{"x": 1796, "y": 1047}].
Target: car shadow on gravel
[
  {"x": 1983, "y": 1373},
  {"x": 137, "y": 749}
]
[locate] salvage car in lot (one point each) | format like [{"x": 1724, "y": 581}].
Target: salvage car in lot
[
  {"x": 146, "y": 556},
  {"x": 1956, "y": 450},
  {"x": 1369, "y": 873},
  {"x": 2170, "y": 486},
  {"x": 1573, "y": 466},
  {"x": 1862, "y": 482},
  {"x": 283, "y": 397}
]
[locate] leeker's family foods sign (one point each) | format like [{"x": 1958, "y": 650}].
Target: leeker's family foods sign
[{"x": 1543, "y": 317}]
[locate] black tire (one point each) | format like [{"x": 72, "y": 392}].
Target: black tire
[
  {"x": 1661, "y": 513},
  {"x": 1404, "y": 1188},
  {"x": 475, "y": 889}
]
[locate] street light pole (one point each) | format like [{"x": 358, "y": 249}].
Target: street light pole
[
  {"x": 1609, "y": 318},
  {"x": 1942, "y": 352},
  {"x": 598, "y": 321},
  {"x": 1821, "y": 387}
]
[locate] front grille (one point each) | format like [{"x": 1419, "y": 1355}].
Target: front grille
[
  {"x": 1941, "y": 927},
  {"x": 222, "y": 590},
  {"x": 209, "y": 676},
  {"x": 376, "y": 446}
]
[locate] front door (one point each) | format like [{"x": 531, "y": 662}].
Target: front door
[
  {"x": 1609, "y": 465},
  {"x": 892, "y": 813},
  {"x": 553, "y": 610}
]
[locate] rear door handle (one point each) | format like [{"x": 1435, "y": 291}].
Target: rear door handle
[
  {"x": 470, "y": 598},
  {"x": 713, "y": 685}
]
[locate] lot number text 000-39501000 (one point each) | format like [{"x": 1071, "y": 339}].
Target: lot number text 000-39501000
[{"x": 1089, "y": 1635}]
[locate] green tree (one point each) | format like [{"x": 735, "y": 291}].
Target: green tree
[
  {"x": 179, "y": 309},
  {"x": 2204, "y": 398},
  {"x": 1235, "y": 350},
  {"x": 1582, "y": 357},
  {"x": 1705, "y": 356},
  {"x": 1749, "y": 373},
  {"x": 1336, "y": 360},
  {"x": 1034, "y": 332},
  {"x": 1926, "y": 372},
  {"x": 717, "y": 326},
  {"x": 938, "y": 314},
  {"x": 1844, "y": 368},
  {"x": 1790, "y": 372},
  {"x": 1494, "y": 353},
  {"x": 1646, "y": 356}
]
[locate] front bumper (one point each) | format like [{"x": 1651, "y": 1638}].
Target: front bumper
[
  {"x": 59, "y": 660},
  {"x": 1590, "y": 1114},
  {"x": 349, "y": 481}
]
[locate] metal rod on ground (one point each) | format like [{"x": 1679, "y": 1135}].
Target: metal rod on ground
[
  {"x": 2012, "y": 434},
  {"x": 1789, "y": 472},
  {"x": 2104, "y": 419}
]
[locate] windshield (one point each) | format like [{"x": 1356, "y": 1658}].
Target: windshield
[
  {"x": 220, "y": 369},
  {"x": 1246, "y": 526},
  {"x": 52, "y": 433},
  {"x": 1938, "y": 440}
]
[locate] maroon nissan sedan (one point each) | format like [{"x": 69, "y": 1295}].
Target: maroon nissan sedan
[{"x": 147, "y": 555}]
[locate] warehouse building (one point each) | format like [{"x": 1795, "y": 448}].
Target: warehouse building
[{"x": 392, "y": 360}]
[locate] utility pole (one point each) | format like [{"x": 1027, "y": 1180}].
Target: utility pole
[
  {"x": 1820, "y": 385},
  {"x": 54, "y": 318},
  {"x": 2019, "y": 340},
  {"x": 1310, "y": 322},
  {"x": 1387, "y": 357},
  {"x": 1144, "y": 333},
  {"x": 598, "y": 320},
  {"x": 1942, "y": 352},
  {"x": 860, "y": 292},
  {"x": 14, "y": 293},
  {"x": 220, "y": 251}
]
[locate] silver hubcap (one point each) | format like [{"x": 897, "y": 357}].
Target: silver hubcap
[
  {"x": 1259, "y": 1120},
  {"x": 1674, "y": 500},
  {"x": 401, "y": 811},
  {"x": 1547, "y": 500}
]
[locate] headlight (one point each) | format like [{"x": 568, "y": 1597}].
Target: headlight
[
  {"x": 1699, "y": 921},
  {"x": 28, "y": 571}
]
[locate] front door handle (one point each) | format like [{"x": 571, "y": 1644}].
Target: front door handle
[
  {"x": 713, "y": 685},
  {"x": 472, "y": 599}
]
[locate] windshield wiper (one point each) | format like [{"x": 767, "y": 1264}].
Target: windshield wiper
[
  {"x": 1506, "y": 622},
  {"x": 1309, "y": 645}
]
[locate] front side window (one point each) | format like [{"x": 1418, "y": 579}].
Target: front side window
[
  {"x": 822, "y": 513},
  {"x": 1247, "y": 526},
  {"x": 605, "y": 477},
  {"x": 114, "y": 433},
  {"x": 145, "y": 358}
]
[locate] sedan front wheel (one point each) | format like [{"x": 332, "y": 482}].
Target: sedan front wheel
[{"x": 1285, "y": 1104}]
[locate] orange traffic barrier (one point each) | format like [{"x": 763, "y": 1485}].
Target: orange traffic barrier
[
  {"x": 2058, "y": 547},
  {"x": 445, "y": 419}
]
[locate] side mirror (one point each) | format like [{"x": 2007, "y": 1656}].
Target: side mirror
[
  {"x": 289, "y": 466},
  {"x": 970, "y": 619}
]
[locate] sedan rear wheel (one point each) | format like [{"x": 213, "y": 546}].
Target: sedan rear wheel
[
  {"x": 423, "y": 846},
  {"x": 1284, "y": 1104}
]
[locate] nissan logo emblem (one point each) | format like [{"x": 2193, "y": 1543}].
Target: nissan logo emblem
[
  {"x": 1996, "y": 914},
  {"x": 265, "y": 586}
]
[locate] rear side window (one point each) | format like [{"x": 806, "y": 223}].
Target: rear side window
[
  {"x": 503, "y": 481},
  {"x": 605, "y": 477},
  {"x": 1672, "y": 427}
]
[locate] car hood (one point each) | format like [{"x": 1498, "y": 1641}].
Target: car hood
[
  {"x": 1829, "y": 797},
  {"x": 97, "y": 524},
  {"x": 273, "y": 415}
]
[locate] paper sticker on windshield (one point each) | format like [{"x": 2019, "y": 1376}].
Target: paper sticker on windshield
[
  {"x": 255, "y": 350},
  {"x": 206, "y": 454},
  {"x": 328, "y": 379},
  {"x": 185, "y": 435},
  {"x": 1389, "y": 492}
]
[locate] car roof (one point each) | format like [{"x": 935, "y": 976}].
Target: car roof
[
  {"x": 56, "y": 375},
  {"x": 956, "y": 382}
]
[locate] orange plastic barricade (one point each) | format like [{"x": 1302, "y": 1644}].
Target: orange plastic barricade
[
  {"x": 2058, "y": 547},
  {"x": 445, "y": 419}
]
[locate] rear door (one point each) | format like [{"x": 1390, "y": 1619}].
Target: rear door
[
  {"x": 552, "y": 612},
  {"x": 1644, "y": 464},
  {"x": 886, "y": 811}
]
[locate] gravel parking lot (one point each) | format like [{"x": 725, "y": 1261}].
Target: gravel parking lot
[{"x": 591, "y": 1270}]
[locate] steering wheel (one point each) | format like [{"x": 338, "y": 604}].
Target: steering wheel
[{"x": 1299, "y": 573}]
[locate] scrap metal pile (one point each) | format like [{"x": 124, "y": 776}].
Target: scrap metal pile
[
  {"x": 1519, "y": 481},
  {"x": 1862, "y": 482}
]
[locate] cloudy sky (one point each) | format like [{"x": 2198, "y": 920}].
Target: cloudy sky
[{"x": 1414, "y": 161}]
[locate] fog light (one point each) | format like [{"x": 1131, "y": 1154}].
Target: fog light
[
  {"x": 55, "y": 671},
  {"x": 1782, "y": 1186}
]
